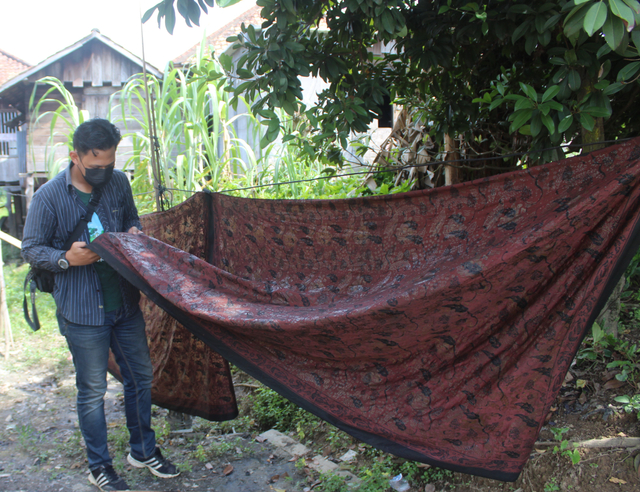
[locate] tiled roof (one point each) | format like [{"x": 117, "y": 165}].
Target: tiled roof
[
  {"x": 10, "y": 66},
  {"x": 218, "y": 40}
]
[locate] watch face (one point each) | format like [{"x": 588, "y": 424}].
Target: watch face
[{"x": 62, "y": 263}]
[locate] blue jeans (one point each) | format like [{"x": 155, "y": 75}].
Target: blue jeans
[{"x": 89, "y": 346}]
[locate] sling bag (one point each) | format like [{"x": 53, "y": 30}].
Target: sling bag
[{"x": 44, "y": 280}]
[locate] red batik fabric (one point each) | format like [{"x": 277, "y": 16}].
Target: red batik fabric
[
  {"x": 187, "y": 375},
  {"x": 437, "y": 325}
]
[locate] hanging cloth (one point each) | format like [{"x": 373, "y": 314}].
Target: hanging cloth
[{"x": 436, "y": 325}]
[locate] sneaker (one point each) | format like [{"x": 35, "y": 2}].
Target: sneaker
[
  {"x": 157, "y": 465},
  {"x": 106, "y": 478},
  {"x": 179, "y": 423}
]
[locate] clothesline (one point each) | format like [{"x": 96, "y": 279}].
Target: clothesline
[{"x": 449, "y": 163}]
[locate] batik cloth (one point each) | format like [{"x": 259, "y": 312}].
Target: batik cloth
[{"x": 436, "y": 325}]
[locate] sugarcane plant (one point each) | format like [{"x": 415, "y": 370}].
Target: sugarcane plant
[
  {"x": 64, "y": 109},
  {"x": 195, "y": 131}
]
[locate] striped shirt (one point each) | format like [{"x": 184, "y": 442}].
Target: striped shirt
[{"x": 53, "y": 214}]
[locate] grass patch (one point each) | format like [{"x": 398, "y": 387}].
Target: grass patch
[{"x": 44, "y": 347}]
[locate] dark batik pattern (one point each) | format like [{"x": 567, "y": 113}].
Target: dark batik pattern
[{"x": 437, "y": 325}]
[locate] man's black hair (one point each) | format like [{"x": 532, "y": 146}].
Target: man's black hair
[{"x": 97, "y": 133}]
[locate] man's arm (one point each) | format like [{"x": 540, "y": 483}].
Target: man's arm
[
  {"x": 131, "y": 222},
  {"x": 39, "y": 231}
]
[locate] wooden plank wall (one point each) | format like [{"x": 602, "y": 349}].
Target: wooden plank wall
[
  {"x": 92, "y": 73},
  {"x": 94, "y": 63}
]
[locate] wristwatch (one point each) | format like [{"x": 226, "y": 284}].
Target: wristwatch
[{"x": 62, "y": 262}]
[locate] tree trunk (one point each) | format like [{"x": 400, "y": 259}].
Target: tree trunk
[
  {"x": 452, "y": 175},
  {"x": 608, "y": 317}
]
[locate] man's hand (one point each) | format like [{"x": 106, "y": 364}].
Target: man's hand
[
  {"x": 135, "y": 230},
  {"x": 80, "y": 255}
]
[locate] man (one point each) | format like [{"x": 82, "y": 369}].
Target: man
[{"x": 96, "y": 308}]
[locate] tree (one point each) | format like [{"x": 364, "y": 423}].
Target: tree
[{"x": 502, "y": 76}]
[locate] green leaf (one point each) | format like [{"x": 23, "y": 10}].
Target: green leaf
[
  {"x": 621, "y": 10},
  {"x": 622, "y": 399},
  {"x": 565, "y": 123},
  {"x": 613, "y": 88},
  {"x": 587, "y": 121},
  {"x": 574, "y": 21},
  {"x": 520, "y": 31},
  {"x": 633, "y": 5},
  {"x": 597, "y": 112},
  {"x": 555, "y": 105},
  {"x": 147, "y": 15},
  {"x": 519, "y": 8},
  {"x": 556, "y": 60},
  {"x": 550, "y": 93},
  {"x": 244, "y": 73},
  {"x": 552, "y": 21},
  {"x": 519, "y": 118},
  {"x": 596, "y": 15},
  {"x": 169, "y": 19},
  {"x": 495, "y": 103},
  {"x": 613, "y": 31},
  {"x": 635, "y": 37},
  {"x": 536, "y": 125},
  {"x": 443, "y": 9},
  {"x": 227, "y": 3},
  {"x": 288, "y": 5},
  {"x": 529, "y": 91},
  {"x": 548, "y": 122},
  {"x": 574, "y": 80},
  {"x": 523, "y": 103},
  {"x": 605, "y": 49},
  {"x": 628, "y": 72},
  {"x": 525, "y": 130},
  {"x": 387, "y": 22}
]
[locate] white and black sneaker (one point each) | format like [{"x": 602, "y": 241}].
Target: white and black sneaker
[
  {"x": 157, "y": 465},
  {"x": 106, "y": 478}
]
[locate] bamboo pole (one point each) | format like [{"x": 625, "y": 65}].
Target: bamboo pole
[
  {"x": 5, "y": 322},
  {"x": 152, "y": 131}
]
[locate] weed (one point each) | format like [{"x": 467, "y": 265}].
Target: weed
[
  {"x": 118, "y": 437},
  {"x": 551, "y": 485},
  {"x": 200, "y": 454},
  {"x": 564, "y": 449},
  {"x": 26, "y": 436},
  {"x": 630, "y": 404},
  {"x": 332, "y": 483}
]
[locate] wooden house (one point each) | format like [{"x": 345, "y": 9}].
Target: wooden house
[{"x": 92, "y": 70}]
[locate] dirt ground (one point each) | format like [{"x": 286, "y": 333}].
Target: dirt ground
[{"x": 41, "y": 449}]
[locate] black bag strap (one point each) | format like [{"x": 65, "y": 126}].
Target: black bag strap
[
  {"x": 96, "y": 194},
  {"x": 29, "y": 281}
]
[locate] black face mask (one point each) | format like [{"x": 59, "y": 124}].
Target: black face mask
[{"x": 98, "y": 177}]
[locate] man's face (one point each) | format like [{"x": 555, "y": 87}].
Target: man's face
[{"x": 94, "y": 159}]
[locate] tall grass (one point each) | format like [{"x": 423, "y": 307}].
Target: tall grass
[
  {"x": 65, "y": 110},
  {"x": 197, "y": 141}
]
